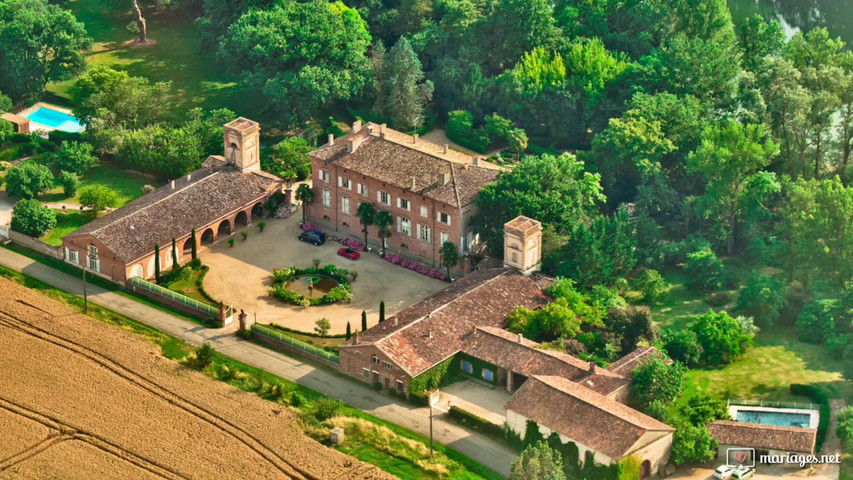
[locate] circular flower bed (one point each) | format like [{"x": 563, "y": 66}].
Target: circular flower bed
[{"x": 338, "y": 293}]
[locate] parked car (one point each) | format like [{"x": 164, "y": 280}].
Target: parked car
[
  {"x": 349, "y": 253},
  {"x": 743, "y": 473},
  {"x": 313, "y": 236},
  {"x": 724, "y": 472}
]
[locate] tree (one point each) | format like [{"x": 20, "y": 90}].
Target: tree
[
  {"x": 731, "y": 159},
  {"x": 140, "y": 22},
  {"x": 692, "y": 443},
  {"x": 70, "y": 183},
  {"x": 366, "y": 215},
  {"x": 632, "y": 324},
  {"x": 289, "y": 158},
  {"x": 757, "y": 39},
  {"x": 349, "y": 331},
  {"x": 449, "y": 256},
  {"x": 762, "y": 297},
  {"x": 721, "y": 338},
  {"x": 39, "y": 43},
  {"x": 538, "y": 462},
  {"x": 75, "y": 157},
  {"x": 194, "y": 245},
  {"x": 847, "y": 371},
  {"x": 322, "y": 326},
  {"x": 705, "y": 269},
  {"x": 334, "y": 69},
  {"x": 363, "y": 321},
  {"x": 382, "y": 311},
  {"x": 405, "y": 93},
  {"x": 505, "y": 38},
  {"x": 97, "y": 198},
  {"x": 657, "y": 380},
  {"x": 682, "y": 346},
  {"x": 517, "y": 140},
  {"x": 157, "y": 262},
  {"x": 118, "y": 99},
  {"x": 701, "y": 409},
  {"x": 651, "y": 284},
  {"x": 28, "y": 180},
  {"x": 175, "y": 254},
  {"x": 304, "y": 194},
  {"x": 555, "y": 190},
  {"x": 817, "y": 320},
  {"x": 383, "y": 222},
  {"x": 32, "y": 218},
  {"x": 5, "y": 103}
]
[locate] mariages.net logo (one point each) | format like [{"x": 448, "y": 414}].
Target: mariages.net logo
[{"x": 745, "y": 457}]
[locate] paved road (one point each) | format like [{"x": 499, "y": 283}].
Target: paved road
[{"x": 480, "y": 448}]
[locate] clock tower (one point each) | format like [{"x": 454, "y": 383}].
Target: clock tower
[{"x": 242, "y": 144}]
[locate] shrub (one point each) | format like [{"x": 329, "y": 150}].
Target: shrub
[
  {"x": 657, "y": 380},
  {"x": 147, "y": 189},
  {"x": 247, "y": 334},
  {"x": 262, "y": 226},
  {"x": 816, "y": 322},
  {"x": 682, "y": 346},
  {"x": 322, "y": 326},
  {"x": 460, "y": 129},
  {"x": 70, "y": 183},
  {"x": 651, "y": 284},
  {"x": 32, "y": 218},
  {"x": 194, "y": 264},
  {"x": 75, "y": 157},
  {"x": 705, "y": 268},
  {"x": 476, "y": 423},
  {"x": 245, "y": 235},
  {"x": 97, "y": 198},
  {"x": 377, "y": 386},
  {"x": 326, "y": 408},
  {"x": 845, "y": 426},
  {"x": 721, "y": 337},
  {"x": 204, "y": 356},
  {"x": 296, "y": 399},
  {"x": 230, "y": 242},
  {"x": 212, "y": 322},
  {"x": 352, "y": 243},
  {"x": 763, "y": 297}
]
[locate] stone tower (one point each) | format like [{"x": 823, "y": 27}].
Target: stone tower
[
  {"x": 523, "y": 244},
  {"x": 242, "y": 144}
]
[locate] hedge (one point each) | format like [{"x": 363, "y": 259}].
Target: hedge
[
  {"x": 817, "y": 396},
  {"x": 307, "y": 334},
  {"x": 476, "y": 423}
]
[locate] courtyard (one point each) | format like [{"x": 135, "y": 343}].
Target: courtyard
[
  {"x": 241, "y": 276},
  {"x": 484, "y": 401}
]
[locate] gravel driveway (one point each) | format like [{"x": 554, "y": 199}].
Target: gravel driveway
[{"x": 241, "y": 275}]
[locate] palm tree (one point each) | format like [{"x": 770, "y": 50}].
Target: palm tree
[
  {"x": 449, "y": 256},
  {"x": 382, "y": 221},
  {"x": 305, "y": 195},
  {"x": 366, "y": 215}
]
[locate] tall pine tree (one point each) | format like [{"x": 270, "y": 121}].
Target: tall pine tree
[
  {"x": 349, "y": 331},
  {"x": 194, "y": 245},
  {"x": 382, "y": 311},
  {"x": 402, "y": 91},
  {"x": 157, "y": 262},
  {"x": 363, "y": 321}
]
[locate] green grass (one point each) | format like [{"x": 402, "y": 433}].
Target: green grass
[
  {"x": 189, "y": 287},
  {"x": 846, "y": 467},
  {"x": 311, "y": 339},
  {"x": 66, "y": 222},
  {"x": 127, "y": 185},
  {"x": 197, "y": 78}
]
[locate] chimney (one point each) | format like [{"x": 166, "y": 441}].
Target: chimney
[
  {"x": 370, "y": 129},
  {"x": 189, "y": 176},
  {"x": 172, "y": 183},
  {"x": 443, "y": 178},
  {"x": 331, "y": 139},
  {"x": 412, "y": 184},
  {"x": 355, "y": 341},
  {"x": 395, "y": 321},
  {"x": 591, "y": 366},
  {"x": 430, "y": 334},
  {"x": 476, "y": 161},
  {"x": 520, "y": 338},
  {"x": 352, "y": 145},
  {"x": 475, "y": 329},
  {"x": 382, "y": 131},
  {"x": 415, "y": 138},
  {"x": 445, "y": 148},
  {"x": 356, "y": 126}
]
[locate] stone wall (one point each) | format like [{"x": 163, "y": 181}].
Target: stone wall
[{"x": 35, "y": 244}]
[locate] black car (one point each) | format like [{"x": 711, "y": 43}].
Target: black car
[{"x": 313, "y": 236}]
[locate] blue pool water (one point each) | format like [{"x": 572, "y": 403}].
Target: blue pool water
[
  {"x": 782, "y": 419},
  {"x": 55, "y": 119}
]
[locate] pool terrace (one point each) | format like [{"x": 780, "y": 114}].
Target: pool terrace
[{"x": 47, "y": 118}]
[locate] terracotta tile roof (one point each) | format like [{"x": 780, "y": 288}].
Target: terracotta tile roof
[
  {"x": 399, "y": 163},
  {"x": 436, "y": 328},
  {"x": 130, "y": 232},
  {"x": 581, "y": 414},
  {"x": 625, "y": 365},
  {"x": 502, "y": 348},
  {"x": 770, "y": 437},
  {"x": 15, "y": 119},
  {"x": 604, "y": 384}
]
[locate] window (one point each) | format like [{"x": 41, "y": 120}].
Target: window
[
  {"x": 344, "y": 182},
  {"x": 387, "y": 365},
  {"x": 93, "y": 251},
  {"x": 327, "y": 198},
  {"x": 424, "y": 211},
  {"x": 383, "y": 198},
  {"x": 362, "y": 189},
  {"x": 399, "y": 385},
  {"x": 324, "y": 176},
  {"x": 488, "y": 375},
  {"x": 424, "y": 233},
  {"x": 443, "y": 218},
  {"x": 73, "y": 257},
  {"x": 467, "y": 367},
  {"x": 94, "y": 264},
  {"x": 404, "y": 204},
  {"x": 404, "y": 226},
  {"x": 365, "y": 372},
  {"x": 345, "y": 205},
  {"x": 375, "y": 359},
  {"x": 443, "y": 237}
]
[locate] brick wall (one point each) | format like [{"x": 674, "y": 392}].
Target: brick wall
[
  {"x": 110, "y": 265},
  {"x": 355, "y": 359}
]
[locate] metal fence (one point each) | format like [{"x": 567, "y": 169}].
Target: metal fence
[
  {"x": 173, "y": 295},
  {"x": 297, "y": 344},
  {"x": 768, "y": 403}
]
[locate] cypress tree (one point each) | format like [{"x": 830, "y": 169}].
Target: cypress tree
[
  {"x": 157, "y": 262},
  {"x": 363, "y": 321},
  {"x": 194, "y": 248},
  {"x": 349, "y": 331},
  {"x": 382, "y": 311},
  {"x": 174, "y": 253}
]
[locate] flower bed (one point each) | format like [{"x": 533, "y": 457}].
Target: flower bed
[
  {"x": 416, "y": 267},
  {"x": 337, "y": 294},
  {"x": 310, "y": 227},
  {"x": 353, "y": 244}
]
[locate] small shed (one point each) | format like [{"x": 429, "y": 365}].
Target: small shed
[{"x": 22, "y": 125}]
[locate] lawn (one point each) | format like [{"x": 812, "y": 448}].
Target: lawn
[
  {"x": 190, "y": 287},
  {"x": 197, "y": 79},
  {"x": 66, "y": 222},
  {"x": 127, "y": 185},
  {"x": 310, "y": 339}
]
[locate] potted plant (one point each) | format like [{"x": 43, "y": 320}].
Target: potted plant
[
  {"x": 231, "y": 242},
  {"x": 245, "y": 235},
  {"x": 262, "y": 226}
]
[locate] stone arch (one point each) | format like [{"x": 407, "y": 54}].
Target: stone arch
[
  {"x": 208, "y": 237},
  {"x": 150, "y": 269},
  {"x": 187, "y": 248},
  {"x": 242, "y": 218},
  {"x": 258, "y": 210},
  {"x": 224, "y": 228},
  {"x": 137, "y": 271}
]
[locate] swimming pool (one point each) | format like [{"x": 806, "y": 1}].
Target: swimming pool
[
  {"x": 55, "y": 119},
  {"x": 782, "y": 417}
]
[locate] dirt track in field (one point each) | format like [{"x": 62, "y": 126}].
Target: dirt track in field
[{"x": 81, "y": 399}]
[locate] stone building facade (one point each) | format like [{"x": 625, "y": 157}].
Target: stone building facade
[{"x": 428, "y": 189}]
